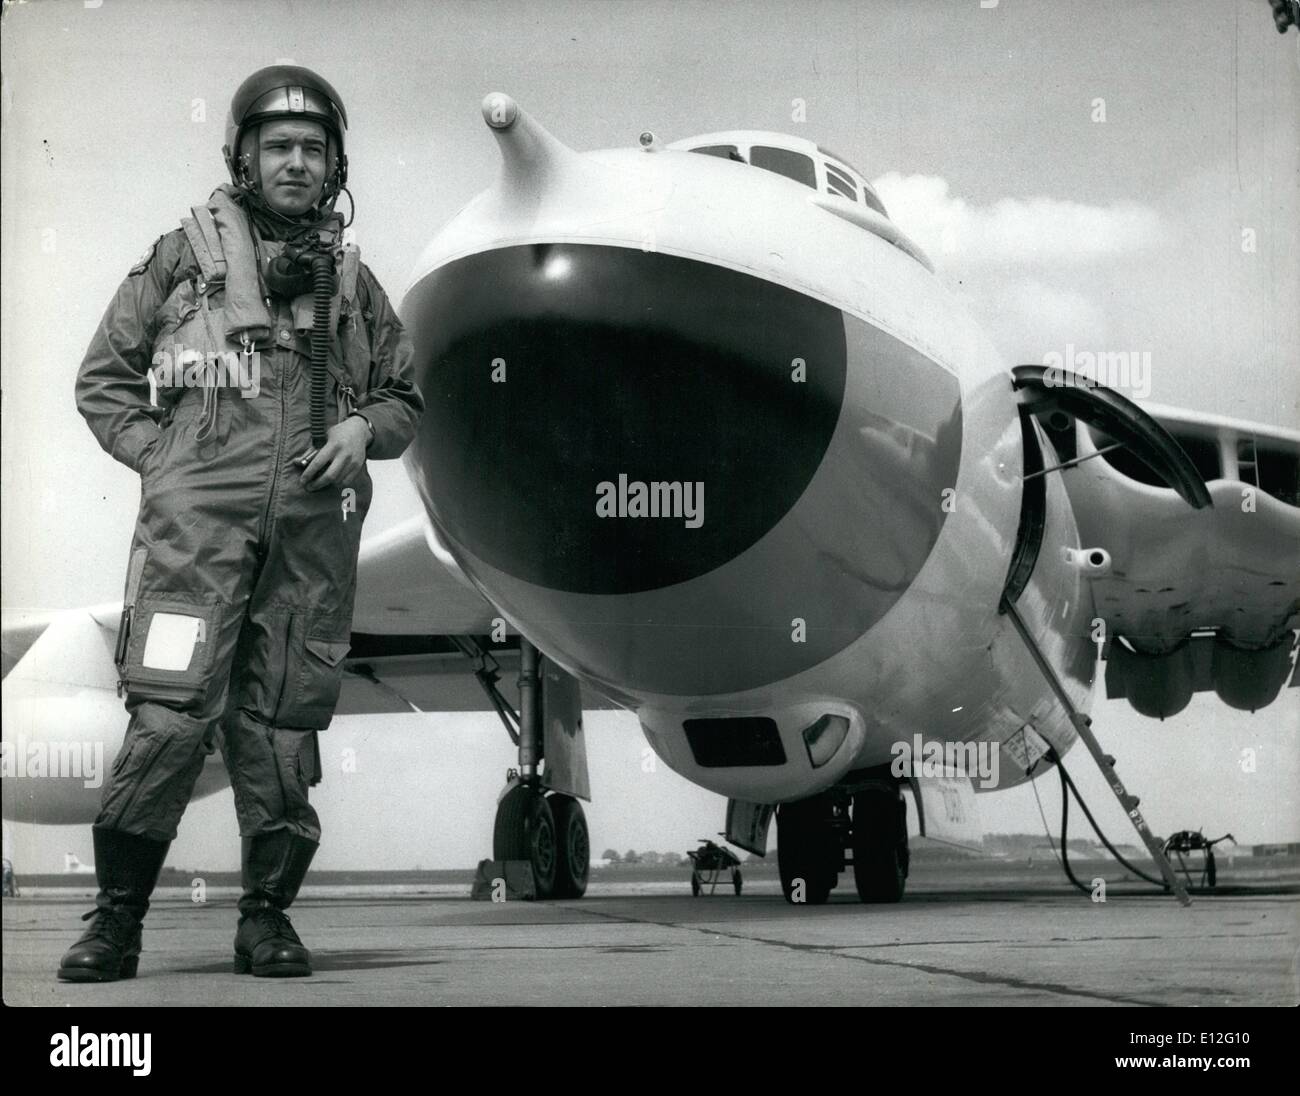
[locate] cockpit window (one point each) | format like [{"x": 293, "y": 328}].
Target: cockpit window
[
  {"x": 839, "y": 183},
  {"x": 801, "y": 168},
  {"x": 793, "y": 165},
  {"x": 869, "y": 196},
  {"x": 724, "y": 152}
]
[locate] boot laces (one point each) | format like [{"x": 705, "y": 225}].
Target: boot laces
[
  {"x": 276, "y": 921},
  {"x": 116, "y": 924}
]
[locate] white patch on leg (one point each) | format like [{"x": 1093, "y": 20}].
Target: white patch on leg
[{"x": 170, "y": 645}]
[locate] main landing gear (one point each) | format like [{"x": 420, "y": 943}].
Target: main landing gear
[
  {"x": 537, "y": 821},
  {"x": 812, "y": 837},
  {"x": 548, "y": 831}
]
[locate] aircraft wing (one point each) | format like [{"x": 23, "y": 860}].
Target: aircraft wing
[
  {"x": 1194, "y": 599},
  {"x": 411, "y": 598},
  {"x": 407, "y": 584},
  {"x": 22, "y": 628}
]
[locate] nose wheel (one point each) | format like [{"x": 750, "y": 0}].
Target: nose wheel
[
  {"x": 880, "y": 853},
  {"x": 809, "y": 850},
  {"x": 812, "y": 835}
]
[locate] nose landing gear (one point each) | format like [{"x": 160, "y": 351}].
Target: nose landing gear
[
  {"x": 810, "y": 848},
  {"x": 813, "y": 834},
  {"x": 880, "y": 853}
]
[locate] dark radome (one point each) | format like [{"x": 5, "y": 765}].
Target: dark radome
[{"x": 618, "y": 362}]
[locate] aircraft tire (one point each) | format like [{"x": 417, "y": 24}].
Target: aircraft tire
[
  {"x": 803, "y": 850},
  {"x": 525, "y": 830},
  {"x": 573, "y": 846},
  {"x": 880, "y": 853}
]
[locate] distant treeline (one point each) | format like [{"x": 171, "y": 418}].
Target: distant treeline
[
  {"x": 645, "y": 859},
  {"x": 1026, "y": 844}
]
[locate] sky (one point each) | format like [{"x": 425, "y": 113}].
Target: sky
[{"x": 1112, "y": 176}]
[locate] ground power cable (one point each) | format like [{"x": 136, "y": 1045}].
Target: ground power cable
[{"x": 1067, "y": 788}]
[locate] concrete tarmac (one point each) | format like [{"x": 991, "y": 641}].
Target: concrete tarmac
[{"x": 653, "y": 944}]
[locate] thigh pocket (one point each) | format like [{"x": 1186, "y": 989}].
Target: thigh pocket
[
  {"x": 314, "y": 675},
  {"x": 169, "y": 655}
]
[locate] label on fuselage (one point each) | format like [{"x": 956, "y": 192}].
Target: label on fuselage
[{"x": 1026, "y": 747}]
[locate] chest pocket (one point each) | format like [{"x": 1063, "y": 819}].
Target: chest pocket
[
  {"x": 176, "y": 309},
  {"x": 193, "y": 360},
  {"x": 174, "y": 343}
]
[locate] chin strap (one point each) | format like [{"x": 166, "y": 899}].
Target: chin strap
[{"x": 276, "y": 226}]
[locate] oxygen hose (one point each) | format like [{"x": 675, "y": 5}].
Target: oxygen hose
[{"x": 322, "y": 289}]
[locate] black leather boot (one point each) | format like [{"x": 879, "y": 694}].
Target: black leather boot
[
  {"x": 265, "y": 942},
  {"x": 127, "y": 868}
]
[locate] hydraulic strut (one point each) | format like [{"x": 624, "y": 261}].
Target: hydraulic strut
[
  {"x": 523, "y": 726},
  {"x": 530, "y": 739},
  {"x": 486, "y": 672}
]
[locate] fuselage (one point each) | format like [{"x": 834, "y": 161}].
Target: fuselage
[{"x": 719, "y": 443}]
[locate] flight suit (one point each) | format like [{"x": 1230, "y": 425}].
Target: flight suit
[{"x": 246, "y": 581}]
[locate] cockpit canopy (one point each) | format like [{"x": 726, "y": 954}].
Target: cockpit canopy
[{"x": 803, "y": 161}]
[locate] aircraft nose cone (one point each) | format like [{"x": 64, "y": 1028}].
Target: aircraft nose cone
[
  {"x": 604, "y": 420},
  {"x": 687, "y": 479}
]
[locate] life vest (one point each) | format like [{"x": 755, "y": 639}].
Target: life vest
[{"x": 220, "y": 313}]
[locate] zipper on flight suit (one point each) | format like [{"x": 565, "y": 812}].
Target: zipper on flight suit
[
  {"x": 264, "y": 532},
  {"x": 159, "y": 747}
]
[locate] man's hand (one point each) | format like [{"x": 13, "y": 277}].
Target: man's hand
[{"x": 341, "y": 458}]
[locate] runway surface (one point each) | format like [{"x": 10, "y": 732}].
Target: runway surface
[{"x": 651, "y": 943}]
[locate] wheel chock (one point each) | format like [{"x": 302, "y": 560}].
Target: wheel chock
[{"x": 504, "y": 881}]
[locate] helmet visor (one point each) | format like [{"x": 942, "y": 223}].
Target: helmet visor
[{"x": 291, "y": 102}]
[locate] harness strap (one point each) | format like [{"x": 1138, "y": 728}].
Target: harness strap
[
  {"x": 245, "y": 312},
  {"x": 205, "y": 241},
  {"x": 211, "y": 383},
  {"x": 348, "y": 273}
]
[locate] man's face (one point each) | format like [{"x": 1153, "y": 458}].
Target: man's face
[{"x": 292, "y": 165}]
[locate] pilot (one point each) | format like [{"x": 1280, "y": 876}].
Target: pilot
[{"x": 279, "y": 368}]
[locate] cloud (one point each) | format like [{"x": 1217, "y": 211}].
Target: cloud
[
  {"x": 1030, "y": 317},
  {"x": 1014, "y": 231}
]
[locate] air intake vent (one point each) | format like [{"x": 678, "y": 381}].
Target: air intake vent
[{"x": 734, "y": 742}]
